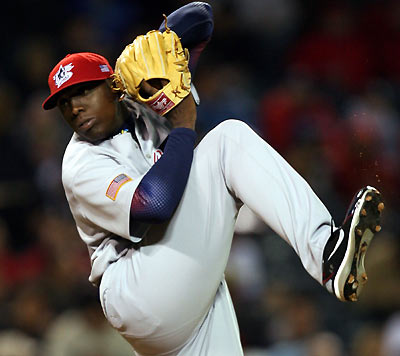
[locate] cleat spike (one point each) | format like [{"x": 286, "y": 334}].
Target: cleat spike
[
  {"x": 364, "y": 277},
  {"x": 378, "y": 228},
  {"x": 355, "y": 285},
  {"x": 353, "y": 297},
  {"x": 363, "y": 212},
  {"x": 381, "y": 206},
  {"x": 351, "y": 279},
  {"x": 359, "y": 232},
  {"x": 368, "y": 198}
]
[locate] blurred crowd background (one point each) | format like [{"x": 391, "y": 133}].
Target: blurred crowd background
[{"x": 319, "y": 80}]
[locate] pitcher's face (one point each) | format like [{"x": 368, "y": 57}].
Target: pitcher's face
[{"x": 89, "y": 108}]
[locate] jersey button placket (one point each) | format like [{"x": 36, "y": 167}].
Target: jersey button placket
[{"x": 149, "y": 158}]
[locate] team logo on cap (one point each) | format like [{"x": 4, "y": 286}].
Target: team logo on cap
[{"x": 63, "y": 74}]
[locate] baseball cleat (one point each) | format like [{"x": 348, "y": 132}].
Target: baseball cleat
[{"x": 343, "y": 258}]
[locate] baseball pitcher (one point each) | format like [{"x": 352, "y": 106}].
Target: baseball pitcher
[{"x": 158, "y": 214}]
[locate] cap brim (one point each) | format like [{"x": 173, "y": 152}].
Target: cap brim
[{"x": 51, "y": 101}]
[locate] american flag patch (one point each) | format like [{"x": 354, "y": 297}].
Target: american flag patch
[
  {"x": 104, "y": 68},
  {"x": 116, "y": 185}
]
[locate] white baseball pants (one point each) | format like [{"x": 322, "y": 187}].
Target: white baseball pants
[{"x": 169, "y": 296}]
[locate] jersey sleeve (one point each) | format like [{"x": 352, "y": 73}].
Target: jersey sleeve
[
  {"x": 102, "y": 192},
  {"x": 161, "y": 189},
  {"x": 107, "y": 196}
]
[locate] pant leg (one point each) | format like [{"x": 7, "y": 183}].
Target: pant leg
[
  {"x": 257, "y": 175},
  {"x": 218, "y": 334}
]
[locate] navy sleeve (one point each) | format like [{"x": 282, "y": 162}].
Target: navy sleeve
[{"x": 161, "y": 189}]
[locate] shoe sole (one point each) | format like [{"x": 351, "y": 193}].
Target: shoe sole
[{"x": 351, "y": 276}]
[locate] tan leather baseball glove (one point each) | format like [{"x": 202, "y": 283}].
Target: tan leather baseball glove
[{"x": 155, "y": 55}]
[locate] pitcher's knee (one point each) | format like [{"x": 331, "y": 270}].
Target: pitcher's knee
[
  {"x": 232, "y": 124},
  {"x": 231, "y": 127},
  {"x": 227, "y": 135}
]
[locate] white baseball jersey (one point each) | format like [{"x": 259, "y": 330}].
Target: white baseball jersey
[
  {"x": 167, "y": 295},
  {"x": 99, "y": 182}
]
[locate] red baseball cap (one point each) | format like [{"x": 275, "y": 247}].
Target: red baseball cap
[{"x": 73, "y": 69}]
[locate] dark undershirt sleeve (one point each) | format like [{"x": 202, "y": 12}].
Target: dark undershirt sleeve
[{"x": 161, "y": 189}]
